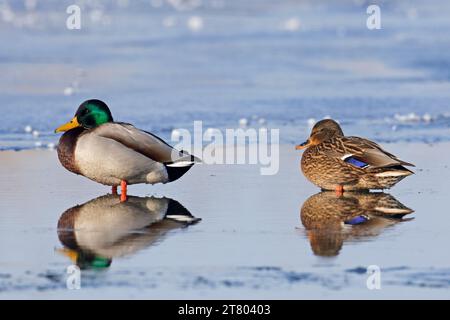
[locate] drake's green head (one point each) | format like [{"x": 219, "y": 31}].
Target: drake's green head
[{"x": 90, "y": 114}]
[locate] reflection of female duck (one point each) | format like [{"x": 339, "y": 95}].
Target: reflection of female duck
[
  {"x": 103, "y": 228},
  {"x": 325, "y": 216}
]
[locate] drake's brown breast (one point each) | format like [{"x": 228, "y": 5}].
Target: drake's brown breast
[{"x": 66, "y": 149}]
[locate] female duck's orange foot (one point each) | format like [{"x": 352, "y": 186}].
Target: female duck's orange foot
[
  {"x": 339, "y": 190},
  {"x": 123, "y": 191},
  {"x": 114, "y": 190}
]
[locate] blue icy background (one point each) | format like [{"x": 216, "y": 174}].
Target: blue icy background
[{"x": 161, "y": 64}]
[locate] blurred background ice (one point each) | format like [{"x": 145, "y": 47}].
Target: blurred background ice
[{"x": 161, "y": 64}]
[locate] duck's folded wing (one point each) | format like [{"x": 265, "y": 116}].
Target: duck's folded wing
[
  {"x": 143, "y": 142},
  {"x": 364, "y": 153}
]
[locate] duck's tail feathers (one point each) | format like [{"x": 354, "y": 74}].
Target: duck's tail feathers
[
  {"x": 395, "y": 171},
  {"x": 178, "y": 213},
  {"x": 176, "y": 169},
  {"x": 394, "y": 210},
  {"x": 389, "y": 207},
  {"x": 183, "y": 159},
  {"x": 404, "y": 163}
]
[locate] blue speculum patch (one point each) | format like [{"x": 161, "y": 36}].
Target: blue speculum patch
[
  {"x": 357, "y": 220},
  {"x": 356, "y": 162}
]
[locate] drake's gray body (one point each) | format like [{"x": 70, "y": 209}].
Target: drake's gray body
[{"x": 113, "y": 152}]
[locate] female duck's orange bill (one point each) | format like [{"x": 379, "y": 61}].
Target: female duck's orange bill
[{"x": 303, "y": 145}]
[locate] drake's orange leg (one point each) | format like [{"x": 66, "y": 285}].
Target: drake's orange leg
[
  {"x": 339, "y": 190},
  {"x": 123, "y": 191},
  {"x": 114, "y": 190}
]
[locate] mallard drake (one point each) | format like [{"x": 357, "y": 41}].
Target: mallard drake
[
  {"x": 117, "y": 153},
  {"x": 333, "y": 161},
  {"x": 105, "y": 228},
  {"x": 330, "y": 220}
]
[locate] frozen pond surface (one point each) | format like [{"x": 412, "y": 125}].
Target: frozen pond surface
[{"x": 255, "y": 242}]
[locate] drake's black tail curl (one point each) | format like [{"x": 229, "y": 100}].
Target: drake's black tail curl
[
  {"x": 175, "y": 172},
  {"x": 178, "y": 213},
  {"x": 180, "y": 166}
]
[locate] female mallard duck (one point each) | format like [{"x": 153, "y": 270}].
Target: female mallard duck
[
  {"x": 335, "y": 162},
  {"x": 116, "y": 153}
]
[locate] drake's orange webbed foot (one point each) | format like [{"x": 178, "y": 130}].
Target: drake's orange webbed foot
[{"x": 123, "y": 191}]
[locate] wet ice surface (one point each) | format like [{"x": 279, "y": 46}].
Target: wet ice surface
[
  {"x": 249, "y": 244},
  {"x": 240, "y": 282},
  {"x": 161, "y": 67}
]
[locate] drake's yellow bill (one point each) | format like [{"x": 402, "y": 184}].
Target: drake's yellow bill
[{"x": 69, "y": 125}]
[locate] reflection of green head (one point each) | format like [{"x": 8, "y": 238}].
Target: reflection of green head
[{"x": 87, "y": 260}]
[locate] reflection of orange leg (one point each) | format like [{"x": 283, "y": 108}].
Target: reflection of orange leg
[
  {"x": 123, "y": 191},
  {"x": 114, "y": 190},
  {"x": 339, "y": 190}
]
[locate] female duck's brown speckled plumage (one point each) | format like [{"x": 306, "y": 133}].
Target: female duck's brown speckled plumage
[{"x": 333, "y": 161}]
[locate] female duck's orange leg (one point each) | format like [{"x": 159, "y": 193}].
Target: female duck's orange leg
[
  {"x": 339, "y": 190},
  {"x": 123, "y": 191},
  {"x": 114, "y": 190}
]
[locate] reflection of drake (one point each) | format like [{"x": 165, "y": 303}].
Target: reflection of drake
[
  {"x": 95, "y": 232},
  {"x": 330, "y": 219}
]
